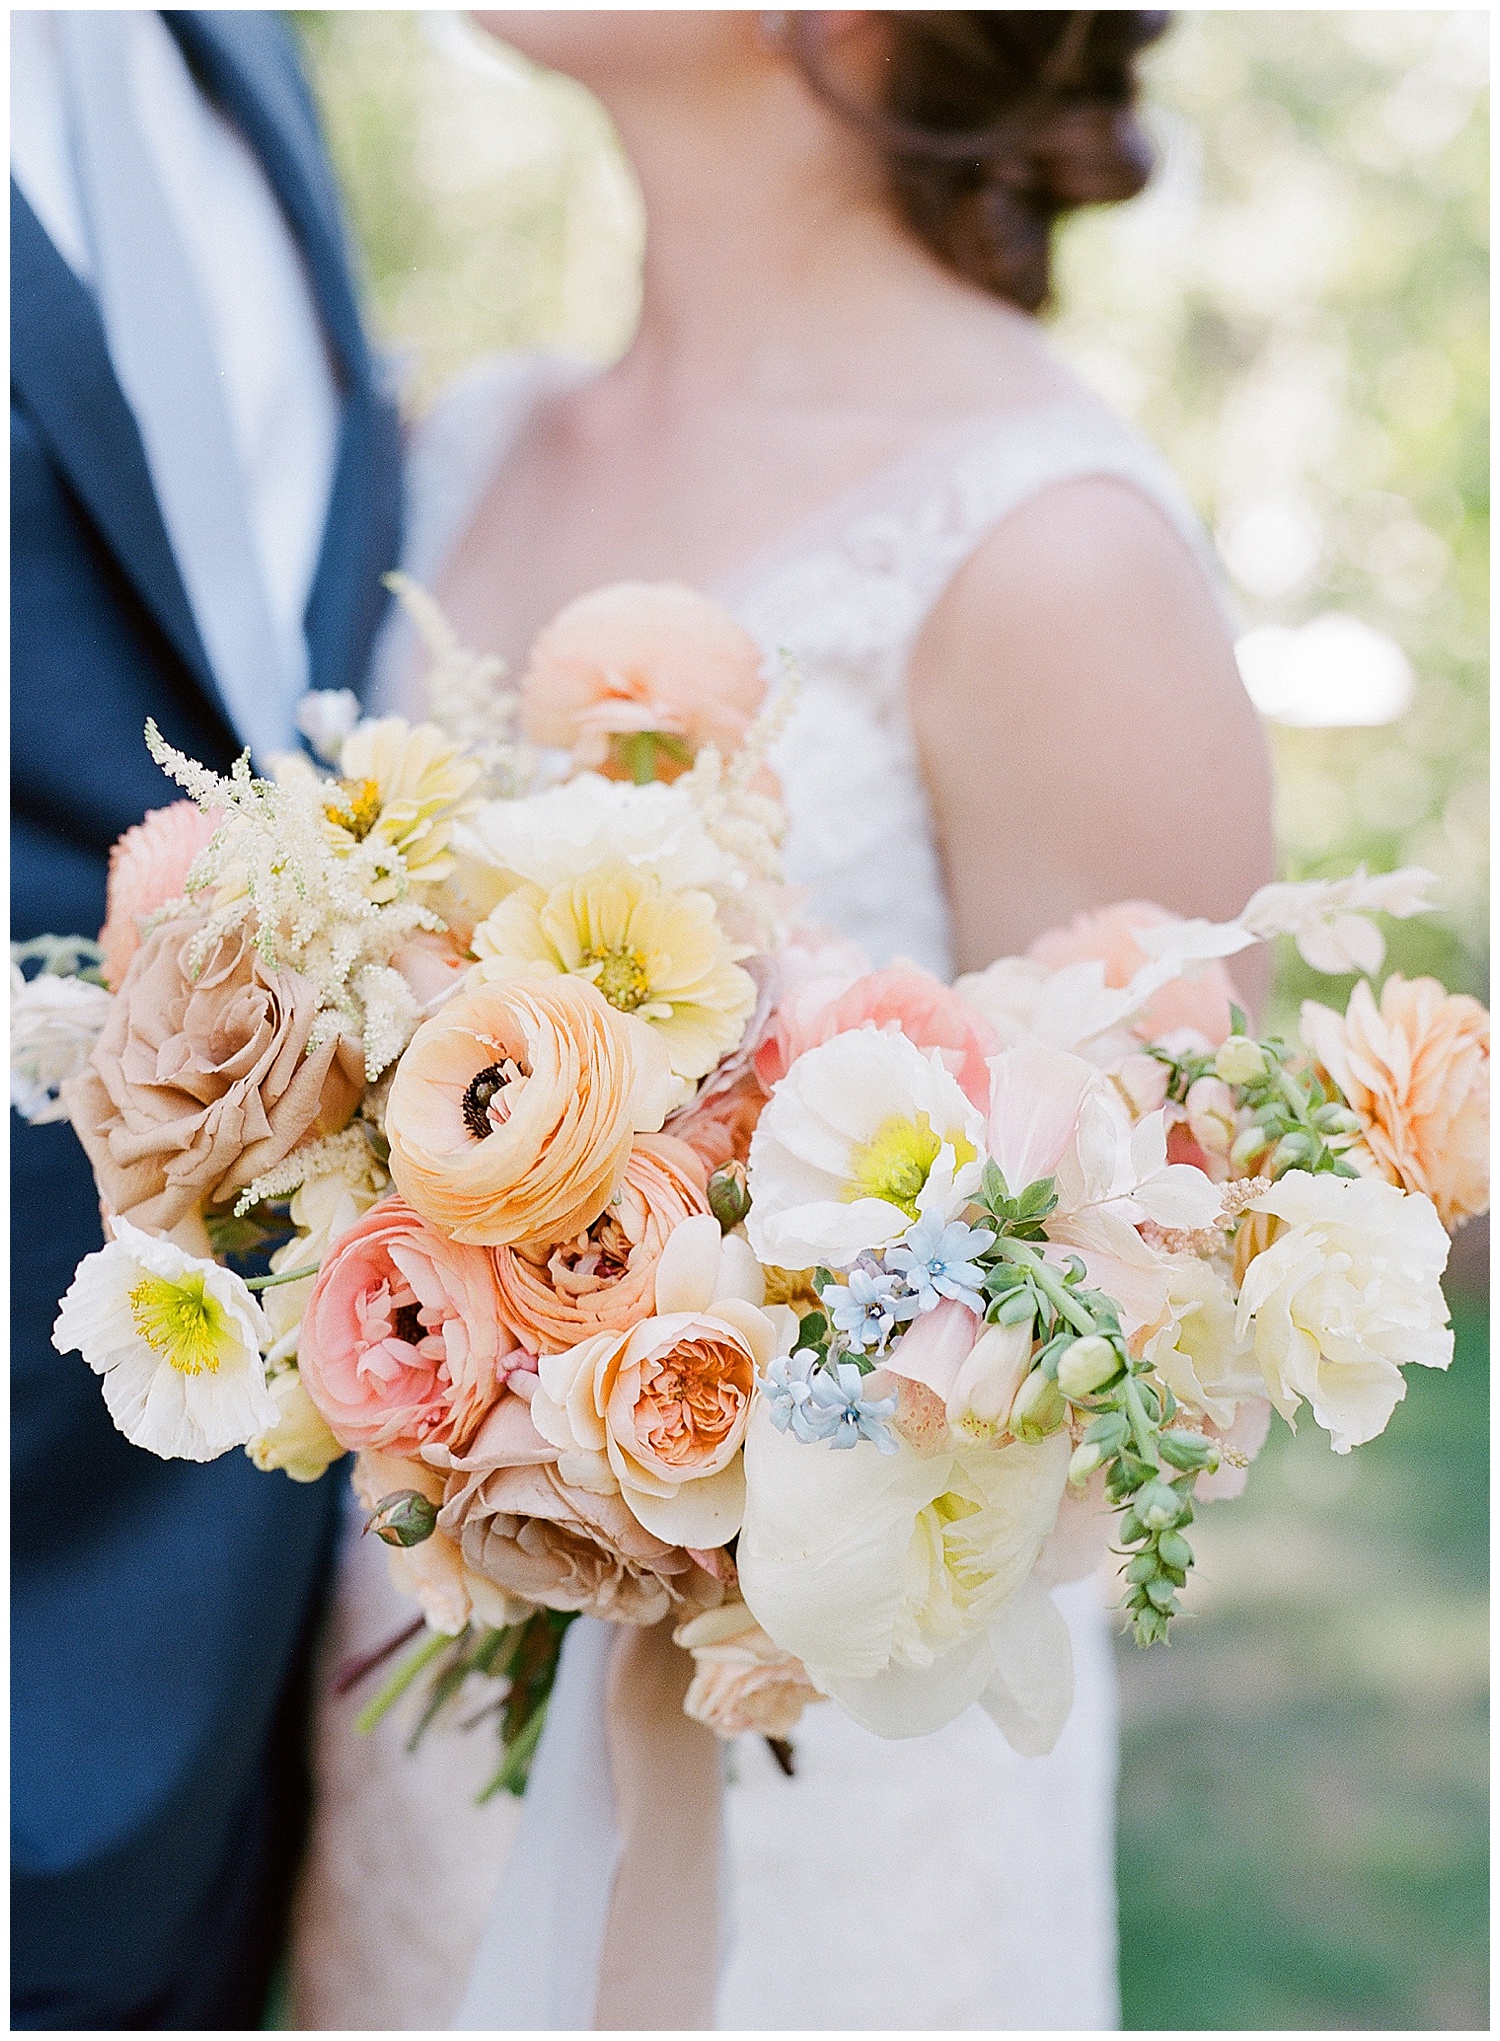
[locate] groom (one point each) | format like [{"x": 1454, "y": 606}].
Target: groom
[{"x": 205, "y": 496}]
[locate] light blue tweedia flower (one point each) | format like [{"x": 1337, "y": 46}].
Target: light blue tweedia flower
[
  {"x": 936, "y": 1261},
  {"x": 869, "y": 1307},
  {"x": 817, "y": 1404}
]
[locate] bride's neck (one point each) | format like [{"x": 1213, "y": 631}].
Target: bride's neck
[{"x": 773, "y": 260}]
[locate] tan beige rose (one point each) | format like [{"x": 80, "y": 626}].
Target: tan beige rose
[
  {"x": 603, "y": 1279},
  {"x": 519, "y": 1526},
  {"x": 1416, "y": 1070},
  {"x": 743, "y": 1683},
  {"x": 199, "y": 1084},
  {"x": 513, "y": 1110}
]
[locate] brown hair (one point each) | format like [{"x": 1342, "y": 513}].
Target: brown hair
[{"x": 993, "y": 124}]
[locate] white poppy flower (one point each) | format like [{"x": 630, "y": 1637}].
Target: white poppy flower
[
  {"x": 902, "y": 1581},
  {"x": 863, "y": 1135},
  {"x": 177, "y": 1340},
  {"x": 1345, "y": 1296}
]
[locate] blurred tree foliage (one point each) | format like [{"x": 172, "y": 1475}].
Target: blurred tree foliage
[{"x": 1295, "y": 311}]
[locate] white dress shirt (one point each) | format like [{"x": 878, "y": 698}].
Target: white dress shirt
[{"x": 279, "y": 387}]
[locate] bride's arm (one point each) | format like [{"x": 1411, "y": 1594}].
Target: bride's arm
[{"x": 1083, "y": 727}]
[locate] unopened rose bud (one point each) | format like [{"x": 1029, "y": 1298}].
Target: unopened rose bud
[
  {"x": 1211, "y": 1115},
  {"x": 1039, "y": 1408},
  {"x": 1240, "y": 1061},
  {"x": 1087, "y": 1365},
  {"x": 404, "y": 1518},
  {"x": 729, "y": 1195}
]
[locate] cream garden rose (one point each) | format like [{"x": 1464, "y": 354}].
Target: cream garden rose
[{"x": 1345, "y": 1296}]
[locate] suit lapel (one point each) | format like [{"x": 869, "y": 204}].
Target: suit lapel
[
  {"x": 253, "y": 74},
  {"x": 60, "y": 365}
]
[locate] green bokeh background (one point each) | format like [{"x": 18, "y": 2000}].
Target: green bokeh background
[{"x": 1297, "y": 313}]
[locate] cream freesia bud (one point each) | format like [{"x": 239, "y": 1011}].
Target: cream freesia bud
[
  {"x": 1038, "y": 1409},
  {"x": 1087, "y": 1365},
  {"x": 988, "y": 1377},
  {"x": 1253, "y": 1142},
  {"x": 1240, "y": 1061},
  {"x": 1211, "y": 1115},
  {"x": 1085, "y": 1460}
]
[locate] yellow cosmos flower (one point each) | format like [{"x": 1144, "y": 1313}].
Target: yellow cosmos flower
[
  {"x": 406, "y": 786},
  {"x": 658, "y": 955}
]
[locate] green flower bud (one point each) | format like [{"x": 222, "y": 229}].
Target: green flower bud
[
  {"x": 1142, "y": 1569},
  {"x": 1336, "y": 1119},
  {"x": 1088, "y": 1364},
  {"x": 1158, "y": 1507},
  {"x": 404, "y": 1518},
  {"x": 729, "y": 1195},
  {"x": 1188, "y": 1452},
  {"x": 1108, "y": 1432},
  {"x": 1175, "y": 1551},
  {"x": 1039, "y": 1408},
  {"x": 1297, "y": 1150},
  {"x": 1086, "y": 1459},
  {"x": 1240, "y": 1061},
  {"x": 1163, "y": 1596},
  {"x": 1132, "y": 1530},
  {"x": 1150, "y": 1627},
  {"x": 1017, "y": 1307},
  {"x": 1252, "y": 1143}
]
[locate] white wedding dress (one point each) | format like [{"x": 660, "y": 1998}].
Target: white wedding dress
[{"x": 938, "y": 1883}]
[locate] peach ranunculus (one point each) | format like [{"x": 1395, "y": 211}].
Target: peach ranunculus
[
  {"x": 1416, "y": 1070},
  {"x": 604, "y": 1278},
  {"x": 1108, "y": 936},
  {"x": 641, "y": 660},
  {"x": 659, "y": 1413},
  {"x": 148, "y": 867},
  {"x": 743, "y": 1682},
  {"x": 199, "y": 1084},
  {"x": 403, "y": 1343},
  {"x": 926, "y": 1011},
  {"x": 512, "y": 1112},
  {"x": 523, "y": 1528}
]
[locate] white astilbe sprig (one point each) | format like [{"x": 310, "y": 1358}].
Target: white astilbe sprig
[
  {"x": 347, "y": 1155},
  {"x": 464, "y": 694},
  {"x": 746, "y": 824},
  {"x": 272, "y": 872}
]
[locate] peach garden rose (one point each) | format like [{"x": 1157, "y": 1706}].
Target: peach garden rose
[{"x": 148, "y": 868}]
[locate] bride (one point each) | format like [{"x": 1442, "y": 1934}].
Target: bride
[{"x": 840, "y": 415}]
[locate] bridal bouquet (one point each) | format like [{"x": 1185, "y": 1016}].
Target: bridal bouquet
[{"x": 659, "y": 1259}]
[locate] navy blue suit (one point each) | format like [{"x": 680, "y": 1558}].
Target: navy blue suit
[{"x": 162, "y": 1611}]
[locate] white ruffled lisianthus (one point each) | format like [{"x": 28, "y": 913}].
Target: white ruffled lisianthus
[
  {"x": 863, "y": 1135},
  {"x": 902, "y": 1581},
  {"x": 1345, "y": 1296},
  {"x": 177, "y": 1340},
  {"x": 1205, "y": 1360},
  {"x": 54, "y": 1024}
]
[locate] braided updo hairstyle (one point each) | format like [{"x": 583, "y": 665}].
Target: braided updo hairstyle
[{"x": 993, "y": 124}]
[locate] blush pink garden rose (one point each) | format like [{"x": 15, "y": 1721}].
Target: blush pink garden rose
[
  {"x": 403, "y": 1342},
  {"x": 148, "y": 867},
  {"x": 926, "y": 1011},
  {"x": 604, "y": 1278},
  {"x": 641, "y": 657},
  {"x": 1416, "y": 1069},
  {"x": 1108, "y": 936}
]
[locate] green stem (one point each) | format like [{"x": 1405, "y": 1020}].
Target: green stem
[
  {"x": 511, "y": 1777},
  {"x": 1051, "y": 1287},
  {"x": 1141, "y": 1427},
  {"x": 399, "y": 1681},
  {"x": 286, "y": 1276}
]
